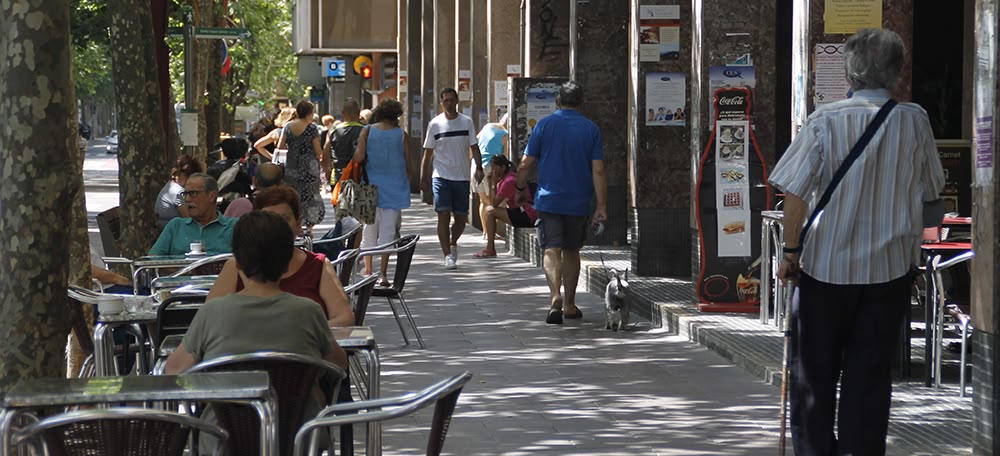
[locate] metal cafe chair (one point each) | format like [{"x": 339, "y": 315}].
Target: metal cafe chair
[
  {"x": 173, "y": 318},
  {"x": 78, "y": 296},
  {"x": 292, "y": 377},
  {"x": 941, "y": 308},
  {"x": 403, "y": 248},
  {"x": 333, "y": 246},
  {"x": 360, "y": 294},
  {"x": 115, "y": 432},
  {"x": 344, "y": 264},
  {"x": 443, "y": 394},
  {"x": 205, "y": 266}
]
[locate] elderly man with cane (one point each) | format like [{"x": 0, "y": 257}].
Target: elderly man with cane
[{"x": 861, "y": 169}]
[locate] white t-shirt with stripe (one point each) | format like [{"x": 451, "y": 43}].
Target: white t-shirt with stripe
[{"x": 451, "y": 140}]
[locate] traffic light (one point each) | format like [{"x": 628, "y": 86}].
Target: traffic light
[
  {"x": 360, "y": 63},
  {"x": 366, "y": 72}
]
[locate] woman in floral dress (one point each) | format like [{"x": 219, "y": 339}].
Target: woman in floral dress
[{"x": 302, "y": 168}]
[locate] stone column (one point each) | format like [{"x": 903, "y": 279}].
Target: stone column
[
  {"x": 547, "y": 38},
  {"x": 985, "y": 226},
  {"x": 504, "y": 34},
  {"x": 602, "y": 55},
  {"x": 463, "y": 52},
  {"x": 479, "y": 57},
  {"x": 444, "y": 47},
  {"x": 428, "y": 103},
  {"x": 410, "y": 62}
]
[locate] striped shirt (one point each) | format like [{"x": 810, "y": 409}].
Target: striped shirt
[{"x": 870, "y": 231}]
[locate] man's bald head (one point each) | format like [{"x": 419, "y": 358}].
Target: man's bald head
[
  {"x": 269, "y": 175},
  {"x": 351, "y": 110}
]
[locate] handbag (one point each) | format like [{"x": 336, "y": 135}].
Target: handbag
[
  {"x": 354, "y": 195},
  {"x": 280, "y": 156}
]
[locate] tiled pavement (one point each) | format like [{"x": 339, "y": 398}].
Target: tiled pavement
[{"x": 577, "y": 389}]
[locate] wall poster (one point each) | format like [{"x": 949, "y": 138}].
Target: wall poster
[
  {"x": 659, "y": 32},
  {"x": 720, "y": 77},
  {"x": 846, "y": 17},
  {"x": 831, "y": 78},
  {"x": 541, "y": 102},
  {"x": 464, "y": 85},
  {"x": 666, "y": 97}
]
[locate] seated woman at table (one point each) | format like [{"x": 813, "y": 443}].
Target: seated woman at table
[
  {"x": 260, "y": 315},
  {"x": 309, "y": 275}
]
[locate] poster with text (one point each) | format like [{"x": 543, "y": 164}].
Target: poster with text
[
  {"x": 731, "y": 164},
  {"x": 666, "y": 95},
  {"x": 846, "y": 17},
  {"x": 465, "y": 85},
  {"x": 659, "y": 32},
  {"x": 404, "y": 81},
  {"x": 500, "y": 93},
  {"x": 831, "y": 78},
  {"x": 541, "y": 103},
  {"x": 720, "y": 77}
]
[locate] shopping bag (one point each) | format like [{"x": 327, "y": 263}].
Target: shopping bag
[{"x": 355, "y": 196}]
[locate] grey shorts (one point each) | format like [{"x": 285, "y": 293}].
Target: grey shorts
[{"x": 558, "y": 231}]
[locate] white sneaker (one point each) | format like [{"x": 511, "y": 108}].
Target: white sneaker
[{"x": 450, "y": 263}]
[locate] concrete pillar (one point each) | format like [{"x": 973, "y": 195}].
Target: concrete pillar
[
  {"x": 602, "y": 51},
  {"x": 479, "y": 57},
  {"x": 428, "y": 103},
  {"x": 444, "y": 47},
  {"x": 504, "y": 30},
  {"x": 986, "y": 225},
  {"x": 547, "y": 38},
  {"x": 410, "y": 87},
  {"x": 463, "y": 56}
]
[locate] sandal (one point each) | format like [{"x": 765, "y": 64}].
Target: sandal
[{"x": 486, "y": 254}]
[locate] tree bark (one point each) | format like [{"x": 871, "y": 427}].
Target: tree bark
[
  {"x": 79, "y": 259},
  {"x": 37, "y": 97},
  {"x": 213, "y": 105},
  {"x": 142, "y": 170}
]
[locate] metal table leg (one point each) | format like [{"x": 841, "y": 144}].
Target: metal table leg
[{"x": 373, "y": 445}]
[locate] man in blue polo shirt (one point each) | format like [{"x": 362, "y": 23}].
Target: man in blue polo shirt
[
  {"x": 205, "y": 223},
  {"x": 568, "y": 150}
]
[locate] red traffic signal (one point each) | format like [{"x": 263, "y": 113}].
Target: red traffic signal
[{"x": 366, "y": 72}]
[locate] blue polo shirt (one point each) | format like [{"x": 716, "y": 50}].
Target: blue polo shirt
[
  {"x": 178, "y": 235},
  {"x": 565, "y": 143}
]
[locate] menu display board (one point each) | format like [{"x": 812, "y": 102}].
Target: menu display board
[{"x": 731, "y": 193}]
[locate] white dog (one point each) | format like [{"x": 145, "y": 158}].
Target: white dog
[{"x": 617, "y": 301}]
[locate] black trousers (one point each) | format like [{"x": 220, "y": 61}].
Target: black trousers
[{"x": 845, "y": 333}]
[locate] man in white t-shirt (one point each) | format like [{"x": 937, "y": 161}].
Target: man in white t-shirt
[{"x": 450, "y": 137}]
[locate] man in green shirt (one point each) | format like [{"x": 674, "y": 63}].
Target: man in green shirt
[{"x": 205, "y": 224}]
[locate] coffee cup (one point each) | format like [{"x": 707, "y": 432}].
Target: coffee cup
[
  {"x": 197, "y": 247},
  {"x": 109, "y": 304}
]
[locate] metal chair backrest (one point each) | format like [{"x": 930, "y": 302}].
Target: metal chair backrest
[
  {"x": 333, "y": 246},
  {"x": 403, "y": 248},
  {"x": 443, "y": 394},
  {"x": 117, "y": 431},
  {"x": 360, "y": 294},
  {"x": 344, "y": 264},
  {"x": 293, "y": 377},
  {"x": 110, "y": 227},
  {"x": 206, "y": 266},
  {"x": 174, "y": 316}
]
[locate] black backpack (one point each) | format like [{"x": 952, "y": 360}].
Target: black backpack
[{"x": 345, "y": 140}]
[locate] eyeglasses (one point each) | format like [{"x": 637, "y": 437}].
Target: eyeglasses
[{"x": 191, "y": 193}]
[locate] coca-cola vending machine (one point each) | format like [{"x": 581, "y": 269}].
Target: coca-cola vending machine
[{"x": 731, "y": 193}]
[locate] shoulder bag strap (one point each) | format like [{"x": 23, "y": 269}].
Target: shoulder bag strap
[
  {"x": 851, "y": 158},
  {"x": 364, "y": 163}
]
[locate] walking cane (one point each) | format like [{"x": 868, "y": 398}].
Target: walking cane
[{"x": 793, "y": 282}]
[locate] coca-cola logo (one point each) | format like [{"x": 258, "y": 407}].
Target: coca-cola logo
[{"x": 732, "y": 101}]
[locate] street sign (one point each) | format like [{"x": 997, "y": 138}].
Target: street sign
[
  {"x": 221, "y": 32},
  {"x": 334, "y": 68},
  {"x": 212, "y": 32}
]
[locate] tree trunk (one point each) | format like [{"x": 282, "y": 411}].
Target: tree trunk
[
  {"x": 38, "y": 100},
  {"x": 142, "y": 170},
  {"x": 79, "y": 259},
  {"x": 213, "y": 106}
]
